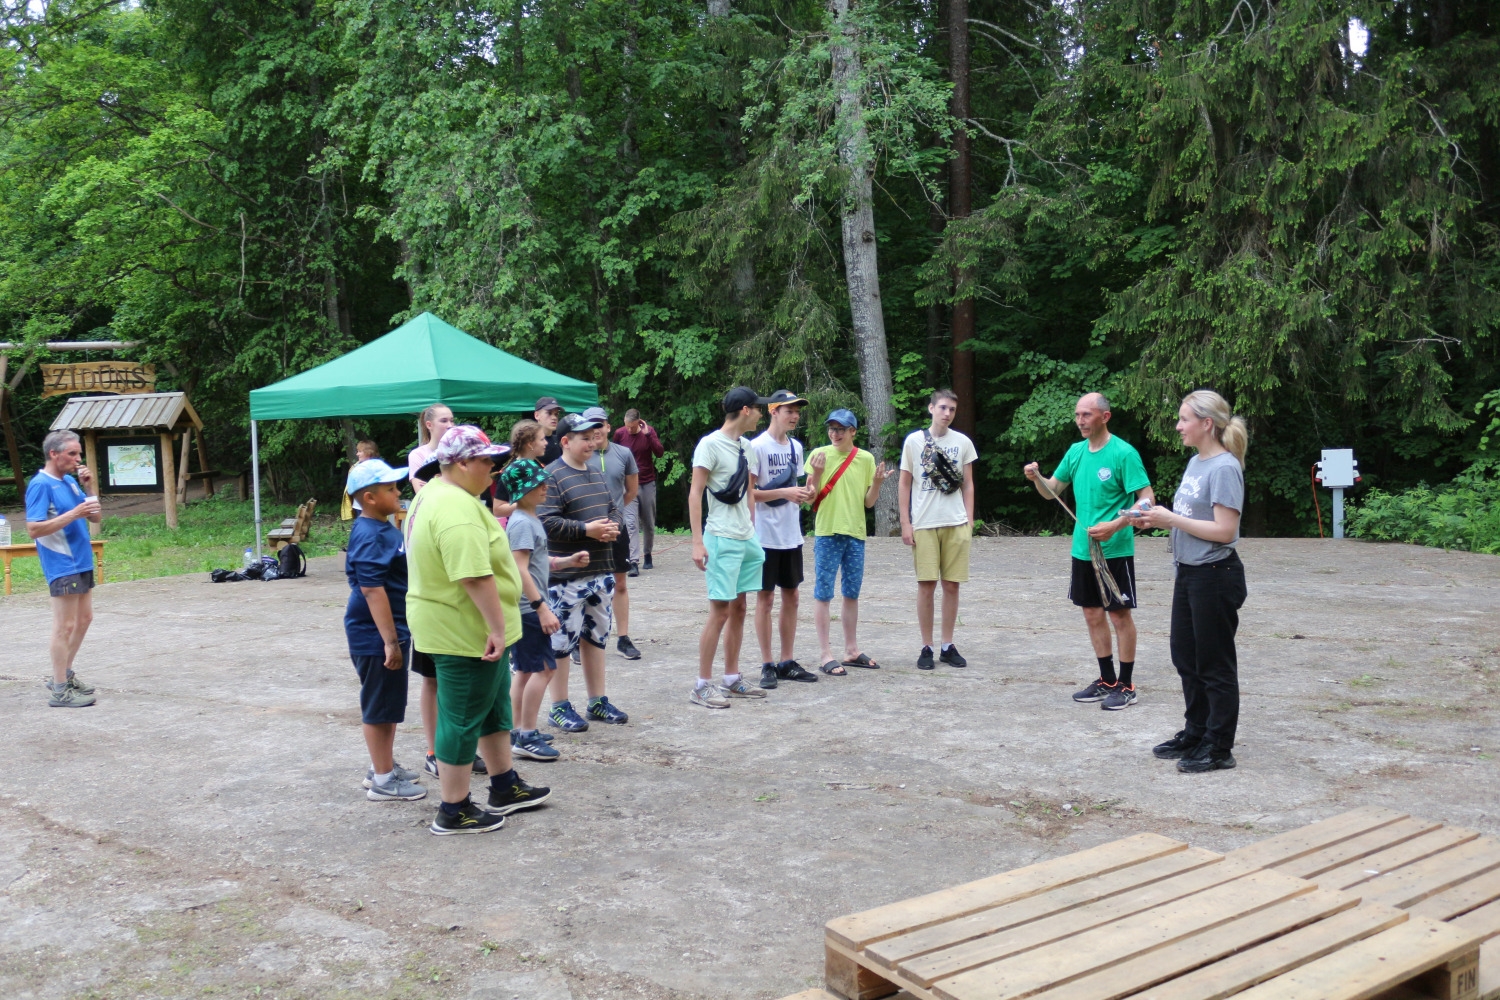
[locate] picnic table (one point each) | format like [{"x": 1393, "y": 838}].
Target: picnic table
[
  {"x": 1367, "y": 905},
  {"x": 9, "y": 552}
]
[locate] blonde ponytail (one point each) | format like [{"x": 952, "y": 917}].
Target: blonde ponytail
[{"x": 1230, "y": 430}]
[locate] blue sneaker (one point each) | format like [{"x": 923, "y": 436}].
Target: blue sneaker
[
  {"x": 564, "y": 718},
  {"x": 605, "y": 712},
  {"x": 536, "y": 733},
  {"x": 528, "y": 745}
]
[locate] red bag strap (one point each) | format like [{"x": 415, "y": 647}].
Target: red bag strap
[{"x": 818, "y": 500}]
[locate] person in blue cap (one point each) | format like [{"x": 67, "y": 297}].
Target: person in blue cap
[
  {"x": 845, "y": 481},
  {"x": 375, "y": 624}
]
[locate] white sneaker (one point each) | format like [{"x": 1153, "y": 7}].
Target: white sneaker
[{"x": 708, "y": 696}]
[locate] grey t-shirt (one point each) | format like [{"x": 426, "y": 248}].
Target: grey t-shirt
[
  {"x": 619, "y": 462},
  {"x": 1205, "y": 482},
  {"x": 525, "y": 532}
]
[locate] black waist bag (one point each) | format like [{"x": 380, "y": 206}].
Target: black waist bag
[
  {"x": 739, "y": 484},
  {"x": 787, "y": 478}
]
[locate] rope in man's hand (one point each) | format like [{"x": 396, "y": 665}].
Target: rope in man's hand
[{"x": 1108, "y": 588}]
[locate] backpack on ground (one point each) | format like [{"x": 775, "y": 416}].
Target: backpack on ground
[{"x": 291, "y": 563}]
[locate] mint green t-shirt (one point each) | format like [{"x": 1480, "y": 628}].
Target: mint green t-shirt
[{"x": 1104, "y": 483}]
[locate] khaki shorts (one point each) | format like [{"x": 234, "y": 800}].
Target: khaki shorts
[{"x": 942, "y": 553}]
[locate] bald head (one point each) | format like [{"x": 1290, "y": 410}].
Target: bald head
[
  {"x": 1091, "y": 416},
  {"x": 1094, "y": 401}
]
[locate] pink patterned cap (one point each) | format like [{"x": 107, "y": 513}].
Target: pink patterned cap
[{"x": 463, "y": 441}]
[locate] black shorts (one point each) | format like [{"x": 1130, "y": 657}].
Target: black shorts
[
  {"x": 620, "y": 548},
  {"x": 71, "y": 585},
  {"x": 1084, "y": 590},
  {"x": 382, "y": 692},
  {"x": 422, "y": 665},
  {"x": 782, "y": 568},
  {"x": 534, "y": 652}
]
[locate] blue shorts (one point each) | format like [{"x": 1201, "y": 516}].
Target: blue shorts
[
  {"x": 533, "y": 653},
  {"x": 832, "y": 553},
  {"x": 734, "y": 566},
  {"x": 382, "y": 692}
]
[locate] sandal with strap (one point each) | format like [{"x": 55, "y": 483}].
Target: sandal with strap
[
  {"x": 834, "y": 668},
  {"x": 862, "y": 661}
]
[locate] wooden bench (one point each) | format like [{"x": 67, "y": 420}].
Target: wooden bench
[
  {"x": 293, "y": 529},
  {"x": 1293, "y": 917},
  {"x": 9, "y": 552}
]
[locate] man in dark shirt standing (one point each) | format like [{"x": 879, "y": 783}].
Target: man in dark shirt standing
[
  {"x": 580, "y": 516},
  {"x": 640, "y": 437},
  {"x": 548, "y": 412}
]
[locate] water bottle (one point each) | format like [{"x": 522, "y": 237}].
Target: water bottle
[
  {"x": 4, "y": 530},
  {"x": 249, "y": 558}
]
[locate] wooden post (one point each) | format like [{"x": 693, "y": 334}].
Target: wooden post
[
  {"x": 182, "y": 471},
  {"x": 168, "y": 480},
  {"x": 208, "y": 481},
  {"x": 91, "y": 458}
]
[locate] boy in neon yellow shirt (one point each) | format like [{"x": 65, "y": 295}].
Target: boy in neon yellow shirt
[{"x": 845, "y": 481}]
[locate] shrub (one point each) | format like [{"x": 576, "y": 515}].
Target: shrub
[{"x": 1464, "y": 514}]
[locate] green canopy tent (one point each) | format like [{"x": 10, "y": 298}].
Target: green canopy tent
[{"x": 422, "y": 362}]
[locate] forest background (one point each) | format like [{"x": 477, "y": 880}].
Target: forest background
[{"x": 1296, "y": 203}]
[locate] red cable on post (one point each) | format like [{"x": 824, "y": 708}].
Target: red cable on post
[{"x": 1313, "y": 478}]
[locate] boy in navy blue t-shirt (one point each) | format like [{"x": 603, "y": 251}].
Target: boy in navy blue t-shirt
[
  {"x": 375, "y": 624},
  {"x": 57, "y": 504}
]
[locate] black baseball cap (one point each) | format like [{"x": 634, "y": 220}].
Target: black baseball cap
[
  {"x": 741, "y": 396},
  {"x": 576, "y": 423},
  {"x": 546, "y": 403},
  {"x": 784, "y": 397}
]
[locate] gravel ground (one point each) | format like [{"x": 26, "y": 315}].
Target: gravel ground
[{"x": 201, "y": 831}]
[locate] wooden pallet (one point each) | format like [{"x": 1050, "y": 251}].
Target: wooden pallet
[{"x": 1370, "y": 905}]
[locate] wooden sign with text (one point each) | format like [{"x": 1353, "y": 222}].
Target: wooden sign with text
[{"x": 98, "y": 376}]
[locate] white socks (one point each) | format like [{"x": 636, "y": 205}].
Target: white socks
[{"x": 384, "y": 779}]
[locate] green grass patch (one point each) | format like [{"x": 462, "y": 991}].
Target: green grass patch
[{"x": 212, "y": 533}]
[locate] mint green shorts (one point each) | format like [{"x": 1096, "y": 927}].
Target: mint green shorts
[{"x": 734, "y": 566}]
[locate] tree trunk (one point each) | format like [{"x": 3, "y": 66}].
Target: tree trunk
[
  {"x": 861, "y": 270},
  {"x": 960, "y": 181}
]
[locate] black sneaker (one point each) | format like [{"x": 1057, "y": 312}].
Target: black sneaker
[
  {"x": 518, "y": 796},
  {"x": 952, "y": 657},
  {"x": 430, "y": 765},
  {"x": 768, "y": 676},
  {"x": 1096, "y": 691},
  {"x": 634, "y": 570},
  {"x": 791, "y": 670},
  {"x": 1206, "y": 757},
  {"x": 627, "y": 648},
  {"x": 479, "y": 767},
  {"x": 924, "y": 659},
  {"x": 470, "y": 819},
  {"x": 647, "y": 563},
  {"x": 1177, "y": 747}
]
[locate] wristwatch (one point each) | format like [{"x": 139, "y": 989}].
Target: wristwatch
[{"x": 535, "y": 604}]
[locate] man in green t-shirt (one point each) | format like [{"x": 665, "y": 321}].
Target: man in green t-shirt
[
  {"x": 1106, "y": 475},
  {"x": 845, "y": 481}
]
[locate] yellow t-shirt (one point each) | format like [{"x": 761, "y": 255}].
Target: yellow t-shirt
[
  {"x": 451, "y": 537},
  {"x": 842, "y": 511}
]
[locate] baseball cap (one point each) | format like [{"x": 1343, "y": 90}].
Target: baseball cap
[
  {"x": 546, "y": 403},
  {"x": 368, "y": 473},
  {"x": 462, "y": 441},
  {"x": 575, "y": 423},
  {"x": 597, "y": 413},
  {"x": 784, "y": 397},
  {"x": 844, "y": 417},
  {"x": 741, "y": 396},
  {"x": 522, "y": 476}
]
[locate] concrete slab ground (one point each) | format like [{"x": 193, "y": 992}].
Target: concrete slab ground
[{"x": 201, "y": 831}]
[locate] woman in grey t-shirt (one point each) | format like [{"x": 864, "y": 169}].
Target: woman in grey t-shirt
[{"x": 1210, "y": 586}]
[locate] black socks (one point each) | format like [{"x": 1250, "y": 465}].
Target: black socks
[
  {"x": 1126, "y": 669},
  {"x": 1107, "y": 669},
  {"x": 503, "y": 781}
]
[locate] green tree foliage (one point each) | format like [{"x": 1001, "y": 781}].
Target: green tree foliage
[{"x": 1294, "y": 201}]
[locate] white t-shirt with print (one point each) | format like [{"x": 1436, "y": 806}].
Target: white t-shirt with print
[
  {"x": 777, "y": 527},
  {"x": 930, "y": 506}
]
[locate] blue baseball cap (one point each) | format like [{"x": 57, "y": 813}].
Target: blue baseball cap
[
  {"x": 369, "y": 472},
  {"x": 842, "y": 416}
]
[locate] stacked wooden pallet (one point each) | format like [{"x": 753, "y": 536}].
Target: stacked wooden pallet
[{"x": 1335, "y": 911}]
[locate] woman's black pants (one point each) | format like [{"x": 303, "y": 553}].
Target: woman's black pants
[{"x": 1206, "y": 604}]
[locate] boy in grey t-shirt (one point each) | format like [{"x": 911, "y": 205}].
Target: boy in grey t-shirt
[{"x": 623, "y": 478}]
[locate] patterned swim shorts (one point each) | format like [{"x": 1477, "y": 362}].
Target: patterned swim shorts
[{"x": 586, "y": 608}]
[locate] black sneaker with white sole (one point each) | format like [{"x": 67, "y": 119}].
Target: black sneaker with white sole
[
  {"x": 791, "y": 670},
  {"x": 627, "y": 648},
  {"x": 952, "y": 657},
  {"x": 925, "y": 660},
  {"x": 768, "y": 676},
  {"x": 516, "y": 796},
  {"x": 470, "y": 818},
  {"x": 1096, "y": 691},
  {"x": 1120, "y": 697}
]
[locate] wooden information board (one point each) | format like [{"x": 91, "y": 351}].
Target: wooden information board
[{"x": 98, "y": 376}]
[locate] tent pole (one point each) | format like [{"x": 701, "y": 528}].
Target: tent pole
[{"x": 255, "y": 478}]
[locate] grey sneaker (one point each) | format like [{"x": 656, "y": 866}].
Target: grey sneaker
[
  {"x": 1096, "y": 691},
  {"x": 709, "y": 696},
  {"x": 68, "y": 696},
  {"x": 1120, "y": 697},
  {"x": 400, "y": 774},
  {"x": 78, "y": 685},
  {"x": 396, "y": 789},
  {"x": 739, "y": 689}
]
